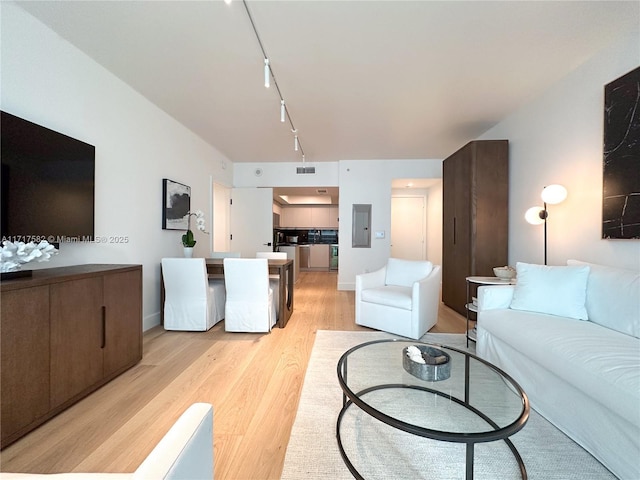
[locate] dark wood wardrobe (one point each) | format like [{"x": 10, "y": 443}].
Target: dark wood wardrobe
[{"x": 474, "y": 215}]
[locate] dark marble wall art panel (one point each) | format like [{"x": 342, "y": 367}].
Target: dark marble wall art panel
[{"x": 621, "y": 173}]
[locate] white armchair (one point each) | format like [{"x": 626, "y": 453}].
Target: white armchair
[
  {"x": 401, "y": 298},
  {"x": 192, "y": 301}
]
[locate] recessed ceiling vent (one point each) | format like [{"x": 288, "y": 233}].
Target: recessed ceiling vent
[{"x": 305, "y": 170}]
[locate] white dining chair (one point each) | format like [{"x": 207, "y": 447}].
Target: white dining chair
[
  {"x": 192, "y": 302},
  {"x": 225, "y": 255},
  {"x": 250, "y": 305}
]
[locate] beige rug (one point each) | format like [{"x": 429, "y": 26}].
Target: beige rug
[{"x": 381, "y": 452}]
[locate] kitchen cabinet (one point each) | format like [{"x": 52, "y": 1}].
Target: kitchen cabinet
[
  {"x": 296, "y": 217},
  {"x": 319, "y": 257},
  {"x": 333, "y": 216},
  {"x": 324, "y": 216},
  {"x": 320, "y": 217},
  {"x": 474, "y": 215},
  {"x": 304, "y": 256},
  {"x": 66, "y": 331}
]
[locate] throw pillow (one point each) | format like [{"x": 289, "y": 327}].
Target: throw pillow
[
  {"x": 613, "y": 298},
  {"x": 404, "y": 272},
  {"x": 557, "y": 291}
]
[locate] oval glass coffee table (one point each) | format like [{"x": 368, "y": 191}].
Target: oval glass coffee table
[{"x": 454, "y": 396}]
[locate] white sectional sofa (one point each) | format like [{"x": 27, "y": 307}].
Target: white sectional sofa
[
  {"x": 185, "y": 452},
  {"x": 569, "y": 337}
]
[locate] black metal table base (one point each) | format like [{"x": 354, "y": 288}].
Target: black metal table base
[{"x": 443, "y": 436}]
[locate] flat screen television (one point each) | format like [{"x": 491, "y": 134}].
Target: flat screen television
[{"x": 47, "y": 184}]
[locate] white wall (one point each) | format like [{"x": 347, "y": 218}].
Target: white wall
[
  {"x": 283, "y": 174},
  {"x": 359, "y": 181},
  {"x": 48, "y": 81},
  {"x": 558, "y": 138},
  {"x": 369, "y": 182},
  {"x": 434, "y": 224}
]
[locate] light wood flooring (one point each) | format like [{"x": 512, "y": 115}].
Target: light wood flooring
[{"x": 252, "y": 380}]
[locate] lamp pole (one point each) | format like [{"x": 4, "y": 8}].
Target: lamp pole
[{"x": 543, "y": 215}]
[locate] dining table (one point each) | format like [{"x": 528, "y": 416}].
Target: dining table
[{"x": 281, "y": 267}]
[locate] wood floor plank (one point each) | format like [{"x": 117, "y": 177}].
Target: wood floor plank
[{"x": 253, "y": 381}]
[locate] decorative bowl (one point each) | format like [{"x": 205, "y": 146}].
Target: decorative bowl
[
  {"x": 505, "y": 273},
  {"x": 437, "y": 364}
]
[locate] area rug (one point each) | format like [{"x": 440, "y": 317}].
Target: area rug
[{"x": 381, "y": 452}]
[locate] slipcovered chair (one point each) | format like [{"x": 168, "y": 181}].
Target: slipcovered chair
[
  {"x": 250, "y": 304},
  {"x": 192, "y": 301},
  {"x": 401, "y": 298}
]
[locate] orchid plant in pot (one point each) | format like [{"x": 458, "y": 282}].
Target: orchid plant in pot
[{"x": 188, "y": 241}]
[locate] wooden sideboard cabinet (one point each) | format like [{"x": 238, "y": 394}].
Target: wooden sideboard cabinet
[{"x": 64, "y": 333}]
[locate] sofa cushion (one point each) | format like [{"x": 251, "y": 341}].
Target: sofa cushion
[
  {"x": 405, "y": 272},
  {"x": 557, "y": 291},
  {"x": 391, "y": 295},
  {"x": 613, "y": 297}
]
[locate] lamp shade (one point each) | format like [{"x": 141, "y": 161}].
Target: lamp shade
[
  {"x": 533, "y": 216},
  {"x": 554, "y": 194}
]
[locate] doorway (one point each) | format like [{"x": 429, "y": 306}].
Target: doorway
[
  {"x": 220, "y": 224},
  {"x": 408, "y": 227}
]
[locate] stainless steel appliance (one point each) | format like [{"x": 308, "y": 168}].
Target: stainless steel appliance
[{"x": 333, "y": 257}]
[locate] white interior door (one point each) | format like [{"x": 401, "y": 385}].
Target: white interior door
[
  {"x": 221, "y": 206},
  {"x": 251, "y": 220},
  {"x": 408, "y": 220}
]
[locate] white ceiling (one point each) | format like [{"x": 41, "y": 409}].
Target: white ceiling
[{"x": 361, "y": 79}]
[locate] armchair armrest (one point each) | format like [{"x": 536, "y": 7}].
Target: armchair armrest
[
  {"x": 492, "y": 297},
  {"x": 186, "y": 451},
  {"x": 371, "y": 279},
  {"x": 426, "y": 299},
  {"x": 428, "y": 288}
]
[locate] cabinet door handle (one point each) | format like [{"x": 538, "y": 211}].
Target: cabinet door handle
[
  {"x": 104, "y": 327},
  {"x": 454, "y": 230}
]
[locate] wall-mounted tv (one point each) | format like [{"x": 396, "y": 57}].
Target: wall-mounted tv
[{"x": 47, "y": 184}]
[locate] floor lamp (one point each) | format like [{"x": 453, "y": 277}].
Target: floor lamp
[{"x": 552, "y": 195}]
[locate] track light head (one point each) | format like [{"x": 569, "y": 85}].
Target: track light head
[{"x": 267, "y": 73}]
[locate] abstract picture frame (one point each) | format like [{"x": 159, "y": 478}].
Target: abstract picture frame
[
  {"x": 621, "y": 158},
  {"x": 176, "y": 203}
]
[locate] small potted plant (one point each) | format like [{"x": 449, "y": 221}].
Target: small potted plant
[{"x": 188, "y": 242}]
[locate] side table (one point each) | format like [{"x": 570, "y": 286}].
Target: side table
[{"x": 471, "y": 307}]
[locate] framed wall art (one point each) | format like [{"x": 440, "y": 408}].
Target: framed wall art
[
  {"x": 176, "y": 199},
  {"x": 621, "y": 160}
]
